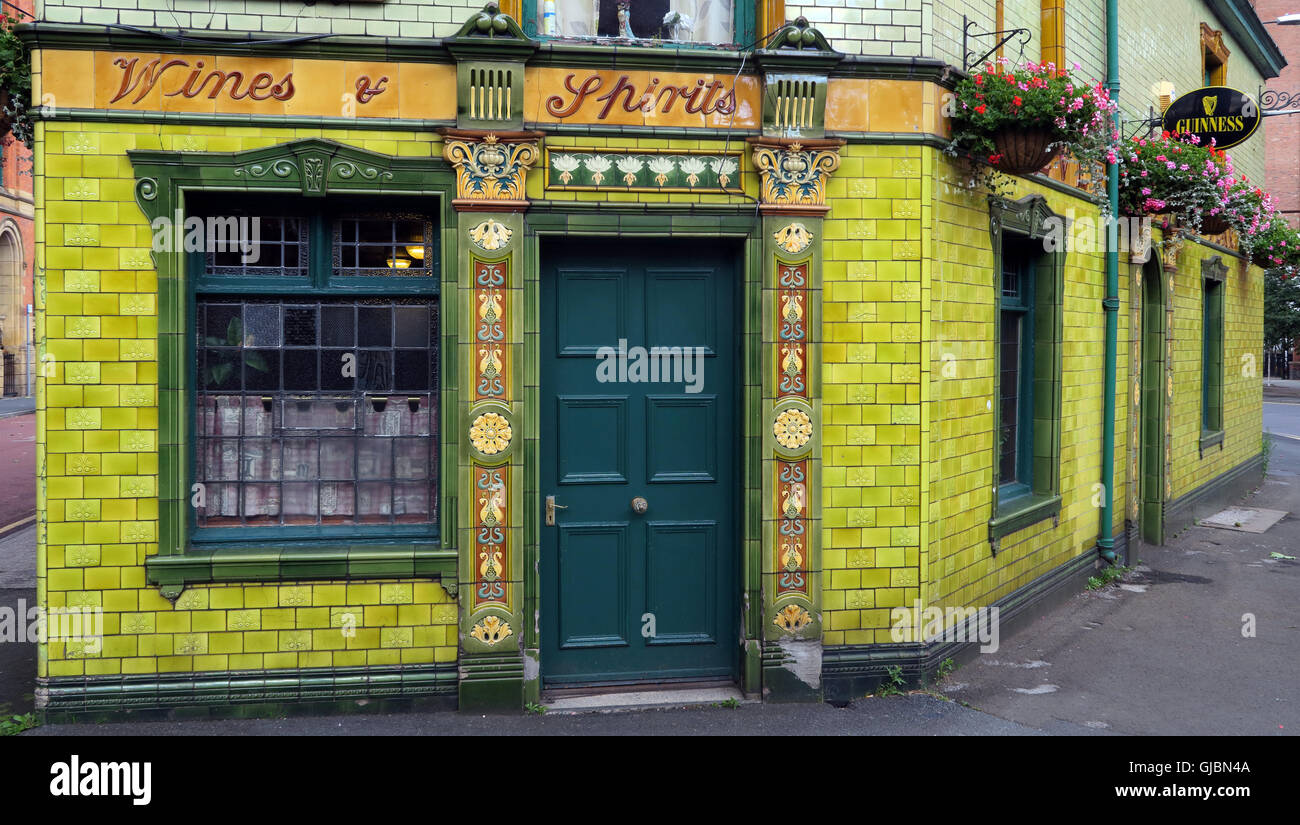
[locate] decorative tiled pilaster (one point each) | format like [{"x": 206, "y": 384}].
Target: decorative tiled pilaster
[
  {"x": 794, "y": 163},
  {"x": 490, "y": 171}
]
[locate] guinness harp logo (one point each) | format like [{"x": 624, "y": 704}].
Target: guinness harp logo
[{"x": 1216, "y": 113}]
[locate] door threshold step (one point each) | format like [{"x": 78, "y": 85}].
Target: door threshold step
[{"x": 643, "y": 699}]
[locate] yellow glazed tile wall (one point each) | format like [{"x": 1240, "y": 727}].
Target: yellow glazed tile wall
[
  {"x": 97, "y": 420},
  {"x": 871, "y": 390},
  {"x": 1243, "y": 329},
  {"x": 961, "y": 569}
]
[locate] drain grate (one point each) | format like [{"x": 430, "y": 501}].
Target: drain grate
[{"x": 1244, "y": 519}]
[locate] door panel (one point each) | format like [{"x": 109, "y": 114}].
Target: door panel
[
  {"x": 584, "y": 460},
  {"x": 593, "y": 585},
  {"x": 681, "y": 438},
  {"x": 628, "y": 596},
  {"x": 680, "y": 560}
]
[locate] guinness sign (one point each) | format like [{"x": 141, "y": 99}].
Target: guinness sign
[{"x": 1217, "y": 113}]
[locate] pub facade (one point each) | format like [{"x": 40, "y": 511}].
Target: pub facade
[{"x": 468, "y": 370}]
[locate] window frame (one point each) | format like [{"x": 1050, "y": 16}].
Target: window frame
[
  {"x": 321, "y": 282},
  {"x": 312, "y": 168},
  {"x": 1023, "y": 306},
  {"x": 744, "y": 25},
  {"x": 1213, "y": 272},
  {"x": 1027, "y": 222}
]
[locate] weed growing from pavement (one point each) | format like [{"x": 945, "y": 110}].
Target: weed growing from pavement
[
  {"x": 533, "y": 707},
  {"x": 1109, "y": 575},
  {"x": 893, "y": 684},
  {"x": 11, "y": 725}
]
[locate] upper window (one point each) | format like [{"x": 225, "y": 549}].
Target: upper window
[
  {"x": 684, "y": 21},
  {"x": 1214, "y": 57},
  {"x": 316, "y": 374}
]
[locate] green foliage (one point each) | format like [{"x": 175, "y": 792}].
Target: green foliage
[
  {"x": 11, "y": 725},
  {"x": 731, "y": 702},
  {"x": 893, "y": 683},
  {"x": 946, "y": 667},
  {"x": 533, "y": 707},
  {"x": 16, "y": 81},
  {"x": 1110, "y": 574},
  {"x": 1266, "y": 449},
  {"x": 216, "y": 374},
  {"x": 1281, "y": 308}
]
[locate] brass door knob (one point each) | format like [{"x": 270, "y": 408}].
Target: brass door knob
[{"x": 640, "y": 505}]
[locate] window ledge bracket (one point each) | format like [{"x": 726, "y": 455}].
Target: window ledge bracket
[
  {"x": 1020, "y": 513},
  {"x": 207, "y": 565}
]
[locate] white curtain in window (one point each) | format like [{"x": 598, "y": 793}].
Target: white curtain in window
[
  {"x": 574, "y": 18},
  {"x": 711, "y": 20}
]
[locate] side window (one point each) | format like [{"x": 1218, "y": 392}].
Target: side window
[
  {"x": 1015, "y": 373},
  {"x": 315, "y": 404},
  {"x": 1212, "y": 356},
  {"x": 1026, "y": 352}
]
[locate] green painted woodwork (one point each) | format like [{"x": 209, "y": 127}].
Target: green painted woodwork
[
  {"x": 311, "y": 169},
  {"x": 1024, "y": 226},
  {"x": 607, "y": 437},
  {"x": 490, "y": 50},
  {"x": 1151, "y": 448},
  {"x": 1213, "y": 271}
]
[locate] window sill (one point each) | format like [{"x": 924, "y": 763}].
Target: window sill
[
  {"x": 1210, "y": 438},
  {"x": 1020, "y": 512},
  {"x": 207, "y": 565}
]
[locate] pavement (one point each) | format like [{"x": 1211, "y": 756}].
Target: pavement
[
  {"x": 1169, "y": 650},
  {"x": 1202, "y": 637},
  {"x": 1278, "y": 389},
  {"x": 17, "y": 470},
  {"x": 17, "y": 406}
]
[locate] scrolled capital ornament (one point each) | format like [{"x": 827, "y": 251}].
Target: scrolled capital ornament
[
  {"x": 794, "y": 174},
  {"x": 491, "y": 168}
]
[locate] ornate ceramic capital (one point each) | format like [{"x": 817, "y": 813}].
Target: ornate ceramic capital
[
  {"x": 794, "y": 174},
  {"x": 490, "y": 168}
]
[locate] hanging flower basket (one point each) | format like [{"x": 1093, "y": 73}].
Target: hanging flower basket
[
  {"x": 1214, "y": 225},
  {"x": 1015, "y": 120},
  {"x": 1023, "y": 151}
]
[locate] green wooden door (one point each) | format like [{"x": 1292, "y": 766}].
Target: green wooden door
[{"x": 628, "y": 596}]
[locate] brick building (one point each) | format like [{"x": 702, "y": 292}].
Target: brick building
[
  {"x": 1282, "y": 132},
  {"x": 17, "y": 248},
  {"x": 380, "y": 458}
]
